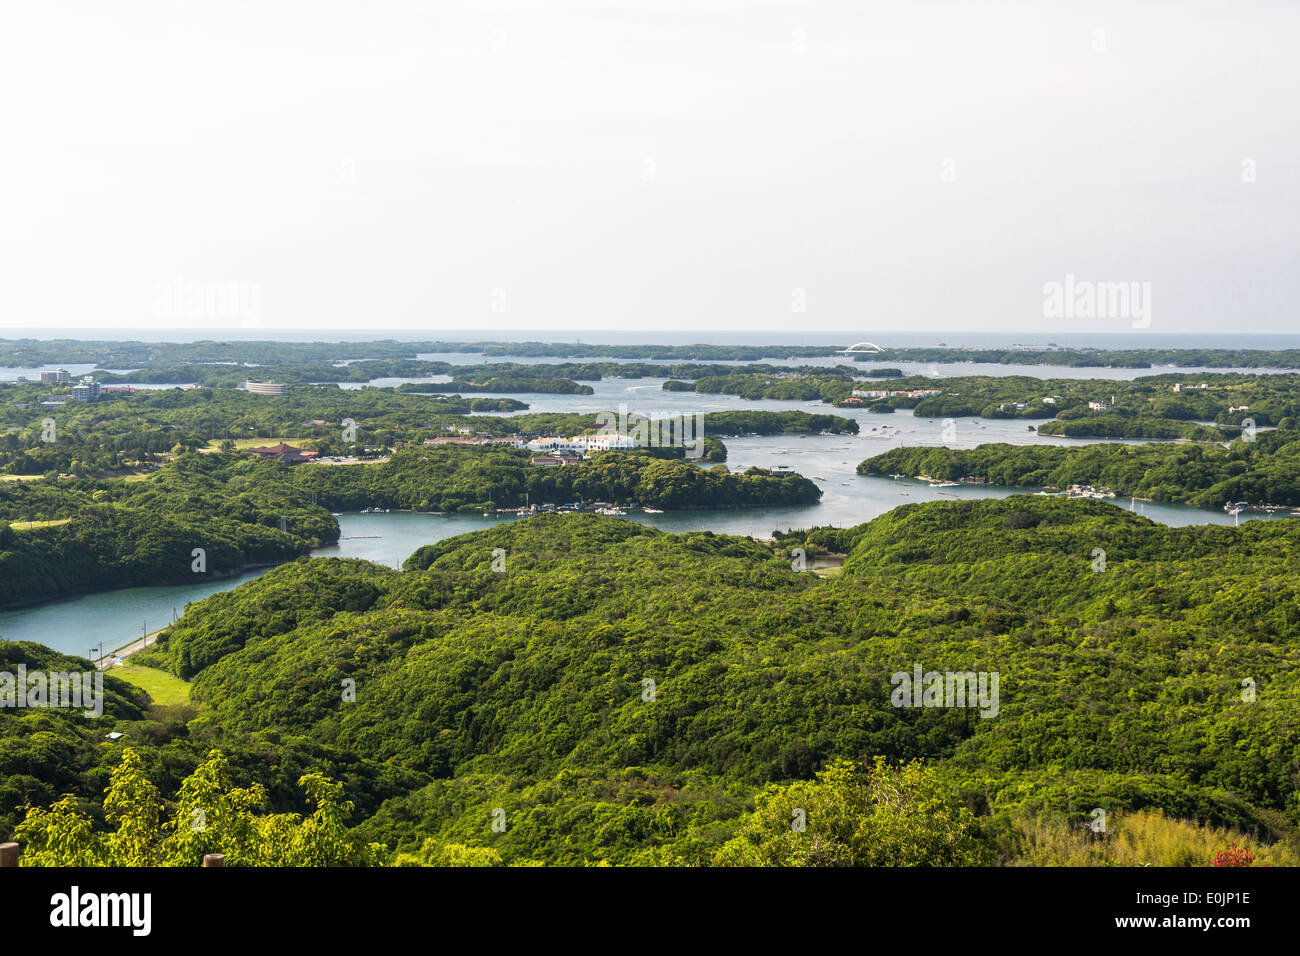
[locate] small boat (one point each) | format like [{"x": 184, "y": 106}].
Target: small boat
[{"x": 653, "y": 511}]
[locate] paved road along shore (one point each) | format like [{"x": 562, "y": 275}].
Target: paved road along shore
[{"x": 108, "y": 659}]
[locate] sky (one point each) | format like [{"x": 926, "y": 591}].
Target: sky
[{"x": 773, "y": 167}]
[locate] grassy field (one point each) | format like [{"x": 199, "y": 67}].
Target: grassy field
[
  {"x": 21, "y": 477},
  {"x": 28, "y": 525},
  {"x": 162, "y": 687},
  {"x": 243, "y": 443},
  {"x": 828, "y": 571}
]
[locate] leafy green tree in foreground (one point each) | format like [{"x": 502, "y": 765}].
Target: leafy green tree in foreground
[
  {"x": 209, "y": 816},
  {"x": 899, "y": 815}
]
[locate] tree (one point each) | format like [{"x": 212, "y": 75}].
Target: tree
[
  {"x": 433, "y": 853},
  {"x": 899, "y": 815},
  {"x": 210, "y": 816}
]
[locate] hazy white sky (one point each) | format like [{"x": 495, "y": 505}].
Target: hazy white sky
[{"x": 713, "y": 164}]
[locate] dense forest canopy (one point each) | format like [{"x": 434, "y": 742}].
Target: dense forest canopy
[
  {"x": 1264, "y": 470},
  {"x": 611, "y": 693},
  {"x": 84, "y": 535},
  {"x": 78, "y": 534},
  {"x": 523, "y": 688},
  {"x": 478, "y": 479},
  {"x": 120, "y": 433}
]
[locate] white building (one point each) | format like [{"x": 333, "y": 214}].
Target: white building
[
  {"x": 87, "y": 391},
  {"x": 266, "y": 388},
  {"x": 615, "y": 442},
  {"x": 555, "y": 446}
]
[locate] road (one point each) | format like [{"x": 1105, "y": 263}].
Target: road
[{"x": 107, "y": 659}]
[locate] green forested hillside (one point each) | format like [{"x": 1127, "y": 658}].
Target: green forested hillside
[
  {"x": 1117, "y": 426},
  {"x": 95, "y": 534},
  {"x": 463, "y": 686},
  {"x": 91, "y": 534},
  {"x": 1263, "y": 471},
  {"x": 477, "y": 478}
]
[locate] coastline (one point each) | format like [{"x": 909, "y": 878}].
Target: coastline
[{"x": 82, "y": 592}]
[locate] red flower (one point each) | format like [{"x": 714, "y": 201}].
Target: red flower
[{"x": 1233, "y": 856}]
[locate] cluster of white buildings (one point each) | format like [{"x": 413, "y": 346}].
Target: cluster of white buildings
[
  {"x": 570, "y": 451},
  {"x": 556, "y": 450},
  {"x": 895, "y": 393},
  {"x": 580, "y": 444}
]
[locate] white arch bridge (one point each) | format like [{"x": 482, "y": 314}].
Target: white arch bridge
[{"x": 861, "y": 348}]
